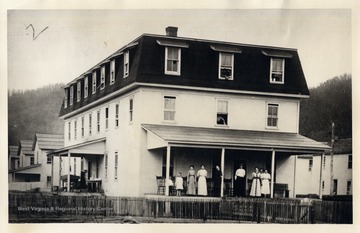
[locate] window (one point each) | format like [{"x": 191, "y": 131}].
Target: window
[
  {"x": 75, "y": 129},
  {"x": 98, "y": 121},
  {"x": 32, "y": 160},
  {"x": 48, "y": 160},
  {"x": 74, "y": 166},
  {"x": 323, "y": 185},
  {"x": 222, "y": 112},
  {"x": 69, "y": 130},
  {"x": 172, "y": 60},
  {"x": 106, "y": 117},
  {"x": 324, "y": 164},
  {"x": 272, "y": 115},
  {"x": 90, "y": 121},
  {"x": 116, "y": 166},
  {"x": 226, "y": 66},
  {"x": 82, "y": 126},
  {"x": 116, "y": 115},
  {"x": 78, "y": 96},
  {"x": 311, "y": 161},
  {"x": 94, "y": 82},
  {"x": 112, "y": 72},
  {"x": 335, "y": 186},
  {"x": 126, "y": 64},
  {"x": 106, "y": 166},
  {"x": 169, "y": 108},
  {"x": 71, "y": 95},
  {"x": 48, "y": 181},
  {"x": 82, "y": 164},
  {"x": 66, "y": 98},
  {"x": 37, "y": 157},
  {"x": 348, "y": 187},
  {"x": 350, "y": 161},
  {"x": 102, "y": 81},
  {"x": 86, "y": 87},
  {"x": 131, "y": 103},
  {"x": 277, "y": 70}
]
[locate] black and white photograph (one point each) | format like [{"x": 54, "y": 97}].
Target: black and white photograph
[{"x": 200, "y": 116}]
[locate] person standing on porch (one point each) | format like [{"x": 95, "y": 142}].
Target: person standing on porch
[
  {"x": 240, "y": 182},
  {"x": 201, "y": 175},
  {"x": 256, "y": 183},
  {"x": 217, "y": 181},
  {"x": 179, "y": 184},
  {"x": 265, "y": 181},
  {"x": 191, "y": 181}
]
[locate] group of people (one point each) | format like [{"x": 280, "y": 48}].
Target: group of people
[{"x": 260, "y": 185}]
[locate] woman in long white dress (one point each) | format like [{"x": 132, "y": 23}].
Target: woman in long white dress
[
  {"x": 202, "y": 187},
  {"x": 256, "y": 184},
  {"x": 265, "y": 181}
]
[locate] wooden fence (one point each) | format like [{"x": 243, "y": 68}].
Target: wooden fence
[{"x": 278, "y": 210}]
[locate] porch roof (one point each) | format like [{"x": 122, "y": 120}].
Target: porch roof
[
  {"x": 162, "y": 135},
  {"x": 33, "y": 169},
  {"x": 92, "y": 147}
]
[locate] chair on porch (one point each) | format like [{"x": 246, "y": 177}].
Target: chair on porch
[
  {"x": 228, "y": 191},
  {"x": 160, "y": 185}
]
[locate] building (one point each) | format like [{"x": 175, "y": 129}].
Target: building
[
  {"x": 308, "y": 171},
  {"x": 14, "y": 160},
  {"x": 162, "y": 103},
  {"x": 35, "y": 167}
]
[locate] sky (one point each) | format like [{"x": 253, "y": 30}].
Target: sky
[{"x": 75, "y": 40}]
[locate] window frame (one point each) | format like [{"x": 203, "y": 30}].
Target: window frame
[
  {"x": 165, "y": 97},
  {"x": 74, "y": 166},
  {"x": 94, "y": 82},
  {"x": 116, "y": 165},
  {"x": 48, "y": 160},
  {"x": 348, "y": 187},
  {"x": 222, "y": 113},
  {"x": 350, "y": 161},
  {"x": 126, "y": 64},
  {"x": 178, "y": 72},
  {"x": 102, "y": 78},
  {"x": 98, "y": 128},
  {"x": 71, "y": 95},
  {"x": 78, "y": 93},
  {"x": 48, "y": 181},
  {"x": 69, "y": 130},
  {"x": 112, "y": 71},
  {"x": 32, "y": 160},
  {"x": 117, "y": 109},
  {"x": 106, "y": 164},
  {"x": 86, "y": 87},
  {"x": 220, "y": 66},
  {"x": 66, "y": 98},
  {"x": 282, "y": 72},
  {"x": 82, "y": 126},
  {"x": 106, "y": 112},
  {"x": 131, "y": 109},
  {"x": 268, "y": 104},
  {"x": 75, "y": 129},
  {"x": 311, "y": 164},
  {"x": 90, "y": 124}
]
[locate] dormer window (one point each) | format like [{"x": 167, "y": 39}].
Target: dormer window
[
  {"x": 66, "y": 98},
  {"x": 126, "y": 64},
  {"x": 94, "y": 82},
  {"x": 78, "y": 96},
  {"x": 71, "y": 95},
  {"x": 277, "y": 66},
  {"x": 102, "y": 81},
  {"x": 112, "y": 72},
  {"x": 226, "y": 66},
  {"x": 172, "y": 60},
  {"x": 86, "y": 87}
]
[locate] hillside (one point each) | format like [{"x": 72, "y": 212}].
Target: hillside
[{"x": 34, "y": 111}]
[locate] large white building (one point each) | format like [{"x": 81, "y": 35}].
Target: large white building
[{"x": 162, "y": 103}]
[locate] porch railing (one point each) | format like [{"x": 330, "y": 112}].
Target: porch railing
[{"x": 34, "y": 205}]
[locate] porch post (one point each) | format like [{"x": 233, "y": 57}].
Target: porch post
[
  {"x": 68, "y": 175},
  {"x": 321, "y": 174},
  {"x": 272, "y": 173},
  {"x": 52, "y": 172},
  {"x": 167, "y": 175},
  {"x": 59, "y": 171},
  {"x": 294, "y": 187},
  {"x": 222, "y": 170}
]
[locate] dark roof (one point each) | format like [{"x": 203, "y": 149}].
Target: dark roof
[
  {"x": 235, "y": 138},
  {"x": 13, "y": 150},
  {"x": 48, "y": 141},
  {"x": 26, "y": 147},
  {"x": 25, "y": 168},
  {"x": 342, "y": 146},
  {"x": 199, "y": 68}
]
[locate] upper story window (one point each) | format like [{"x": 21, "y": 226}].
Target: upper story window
[
  {"x": 172, "y": 60},
  {"x": 350, "y": 162},
  {"x": 348, "y": 187},
  {"x": 222, "y": 112},
  {"x": 32, "y": 160},
  {"x": 116, "y": 115},
  {"x": 71, "y": 95},
  {"x": 102, "y": 81},
  {"x": 311, "y": 163},
  {"x": 106, "y": 166},
  {"x": 272, "y": 115},
  {"x": 94, "y": 82},
  {"x": 226, "y": 66},
  {"x": 86, "y": 87},
  {"x": 48, "y": 160},
  {"x": 66, "y": 98},
  {"x": 69, "y": 130},
  {"x": 78, "y": 96},
  {"x": 90, "y": 124},
  {"x": 112, "y": 72},
  {"x": 116, "y": 166},
  {"x": 131, "y": 108},
  {"x": 82, "y": 126},
  {"x": 98, "y": 121},
  {"x": 277, "y": 66},
  {"x": 106, "y": 117},
  {"x": 169, "y": 108},
  {"x": 75, "y": 128},
  {"x": 126, "y": 64}
]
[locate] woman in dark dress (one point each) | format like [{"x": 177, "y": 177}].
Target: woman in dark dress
[
  {"x": 240, "y": 182},
  {"x": 217, "y": 181}
]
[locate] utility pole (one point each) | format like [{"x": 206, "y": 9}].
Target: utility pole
[{"x": 332, "y": 159}]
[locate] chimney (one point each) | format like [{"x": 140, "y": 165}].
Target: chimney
[{"x": 171, "y": 31}]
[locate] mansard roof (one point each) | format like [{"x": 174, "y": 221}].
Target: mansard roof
[{"x": 199, "y": 68}]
